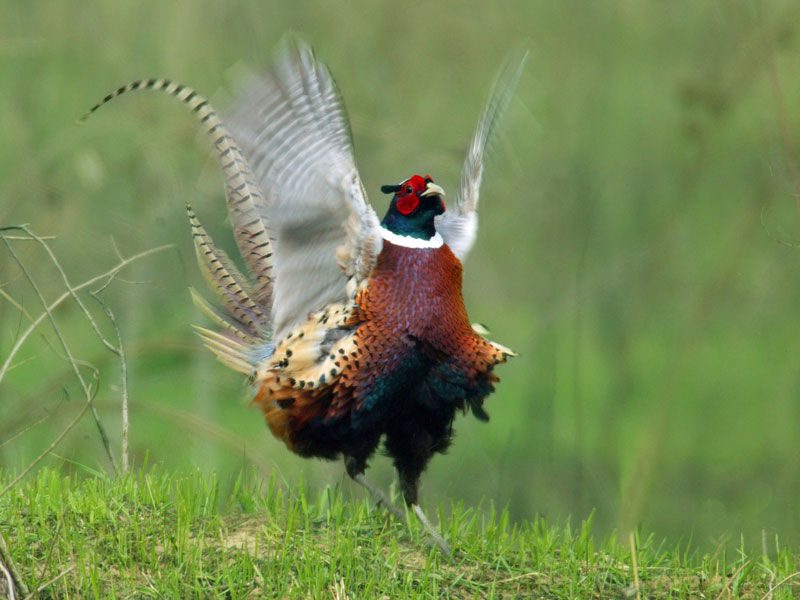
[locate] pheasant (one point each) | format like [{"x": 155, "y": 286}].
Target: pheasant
[{"x": 352, "y": 330}]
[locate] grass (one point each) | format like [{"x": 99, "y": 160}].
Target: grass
[{"x": 155, "y": 533}]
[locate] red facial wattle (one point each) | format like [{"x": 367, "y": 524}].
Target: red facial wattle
[
  {"x": 408, "y": 195},
  {"x": 407, "y": 203}
]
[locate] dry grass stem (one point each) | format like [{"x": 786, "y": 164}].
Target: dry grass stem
[
  {"x": 107, "y": 275},
  {"x": 85, "y": 385},
  {"x": 634, "y": 565},
  {"x": 89, "y": 386},
  {"x": 49, "y": 448},
  {"x": 779, "y": 584},
  {"x": 50, "y": 582},
  {"x": 14, "y": 580},
  {"x": 25, "y": 430},
  {"x": 119, "y": 350},
  {"x": 20, "y": 238},
  {"x": 9, "y": 585}
]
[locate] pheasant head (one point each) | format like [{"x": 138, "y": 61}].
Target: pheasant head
[{"x": 415, "y": 203}]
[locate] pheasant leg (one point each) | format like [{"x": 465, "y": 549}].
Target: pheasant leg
[
  {"x": 432, "y": 531},
  {"x": 355, "y": 469}
]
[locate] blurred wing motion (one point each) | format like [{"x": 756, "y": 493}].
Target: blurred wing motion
[
  {"x": 294, "y": 130},
  {"x": 314, "y": 217},
  {"x": 459, "y": 224}
]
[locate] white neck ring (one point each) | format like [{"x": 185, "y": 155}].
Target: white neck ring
[{"x": 407, "y": 241}]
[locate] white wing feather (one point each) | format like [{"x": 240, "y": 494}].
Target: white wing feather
[
  {"x": 293, "y": 128},
  {"x": 459, "y": 224}
]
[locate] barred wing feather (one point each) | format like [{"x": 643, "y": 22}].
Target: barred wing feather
[{"x": 293, "y": 128}]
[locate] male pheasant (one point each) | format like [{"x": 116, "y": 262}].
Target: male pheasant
[{"x": 351, "y": 329}]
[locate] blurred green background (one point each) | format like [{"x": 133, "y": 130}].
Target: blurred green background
[{"x": 638, "y": 243}]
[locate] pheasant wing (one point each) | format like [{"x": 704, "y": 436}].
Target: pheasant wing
[
  {"x": 293, "y": 128},
  {"x": 459, "y": 224}
]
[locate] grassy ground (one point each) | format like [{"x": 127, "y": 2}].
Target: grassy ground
[{"x": 156, "y": 534}]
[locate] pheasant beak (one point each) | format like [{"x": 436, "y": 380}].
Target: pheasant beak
[{"x": 432, "y": 190}]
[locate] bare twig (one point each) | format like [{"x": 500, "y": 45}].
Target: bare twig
[
  {"x": 13, "y": 577},
  {"x": 24, "y": 312},
  {"x": 108, "y": 275},
  {"x": 10, "y": 425},
  {"x": 30, "y": 239},
  {"x": 75, "y": 367},
  {"x": 634, "y": 565},
  {"x": 779, "y": 584},
  {"x": 22, "y": 362},
  {"x": 14, "y": 303},
  {"x": 89, "y": 388},
  {"x": 68, "y": 285},
  {"x": 49, "y": 582},
  {"x": 50, "y": 448},
  {"x": 733, "y": 577},
  {"x": 530, "y": 574},
  {"x": 53, "y": 546},
  {"x": 9, "y": 581},
  {"x": 25, "y": 430},
  {"x": 119, "y": 350}
]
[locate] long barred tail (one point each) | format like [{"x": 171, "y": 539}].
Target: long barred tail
[
  {"x": 246, "y": 321},
  {"x": 195, "y": 101},
  {"x": 243, "y": 194}
]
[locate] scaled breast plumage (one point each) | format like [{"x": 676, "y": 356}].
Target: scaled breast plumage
[{"x": 408, "y": 318}]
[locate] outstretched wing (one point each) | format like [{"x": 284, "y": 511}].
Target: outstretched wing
[
  {"x": 293, "y": 128},
  {"x": 459, "y": 224}
]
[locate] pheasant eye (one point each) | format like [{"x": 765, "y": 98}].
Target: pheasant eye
[{"x": 409, "y": 189}]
